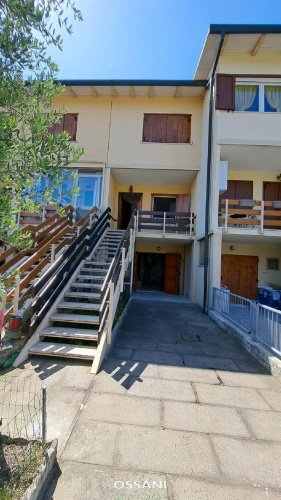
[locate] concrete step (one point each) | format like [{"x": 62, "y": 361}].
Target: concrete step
[
  {"x": 75, "y": 318},
  {"x": 82, "y": 306},
  {"x": 63, "y": 350},
  {"x": 66, "y": 332}
]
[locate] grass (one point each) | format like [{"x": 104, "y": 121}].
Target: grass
[
  {"x": 120, "y": 308},
  {"x": 19, "y": 462}
]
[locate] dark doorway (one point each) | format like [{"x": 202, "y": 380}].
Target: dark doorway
[
  {"x": 128, "y": 202},
  {"x": 151, "y": 271}
]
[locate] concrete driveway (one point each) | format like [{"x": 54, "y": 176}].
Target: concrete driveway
[{"x": 180, "y": 411}]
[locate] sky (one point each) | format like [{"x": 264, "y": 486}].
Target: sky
[{"x": 149, "y": 39}]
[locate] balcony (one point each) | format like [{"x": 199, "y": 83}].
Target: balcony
[
  {"x": 173, "y": 225},
  {"x": 249, "y": 128},
  {"x": 259, "y": 216}
]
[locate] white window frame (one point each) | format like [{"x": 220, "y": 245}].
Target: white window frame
[
  {"x": 260, "y": 84},
  {"x": 88, "y": 174}
]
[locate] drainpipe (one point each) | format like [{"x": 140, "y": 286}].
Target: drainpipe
[{"x": 208, "y": 180}]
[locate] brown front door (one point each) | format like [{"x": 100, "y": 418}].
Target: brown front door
[
  {"x": 128, "y": 202},
  {"x": 239, "y": 273},
  {"x": 172, "y": 273}
]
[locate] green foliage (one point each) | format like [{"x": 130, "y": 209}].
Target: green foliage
[{"x": 27, "y": 148}]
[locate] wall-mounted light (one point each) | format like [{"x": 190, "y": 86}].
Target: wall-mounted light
[
  {"x": 131, "y": 189},
  {"x": 232, "y": 247},
  {"x": 158, "y": 248},
  {"x": 278, "y": 177}
]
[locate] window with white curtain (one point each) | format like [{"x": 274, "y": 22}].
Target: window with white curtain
[
  {"x": 260, "y": 97},
  {"x": 247, "y": 98}
]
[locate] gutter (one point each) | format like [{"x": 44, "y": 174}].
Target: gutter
[
  {"x": 208, "y": 180},
  {"x": 136, "y": 83}
]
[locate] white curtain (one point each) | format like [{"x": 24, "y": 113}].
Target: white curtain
[
  {"x": 245, "y": 96},
  {"x": 273, "y": 95}
]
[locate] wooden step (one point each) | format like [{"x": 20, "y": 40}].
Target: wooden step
[
  {"x": 78, "y": 284},
  {"x": 66, "y": 332},
  {"x": 63, "y": 350},
  {"x": 89, "y": 277},
  {"x": 96, "y": 264},
  {"x": 82, "y": 306},
  {"x": 85, "y": 295},
  {"x": 93, "y": 270},
  {"x": 75, "y": 318}
]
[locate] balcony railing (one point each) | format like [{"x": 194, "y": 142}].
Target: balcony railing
[
  {"x": 250, "y": 214},
  {"x": 177, "y": 223}
]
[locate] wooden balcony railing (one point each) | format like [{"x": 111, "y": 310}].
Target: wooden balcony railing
[
  {"x": 182, "y": 223},
  {"x": 250, "y": 214}
]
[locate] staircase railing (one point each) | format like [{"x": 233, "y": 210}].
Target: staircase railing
[
  {"x": 56, "y": 236},
  {"x": 51, "y": 284},
  {"x": 109, "y": 292}
]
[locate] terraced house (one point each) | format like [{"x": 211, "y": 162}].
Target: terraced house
[{"x": 192, "y": 168}]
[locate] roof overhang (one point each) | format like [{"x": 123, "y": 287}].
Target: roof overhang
[
  {"x": 249, "y": 39},
  {"x": 134, "y": 88}
]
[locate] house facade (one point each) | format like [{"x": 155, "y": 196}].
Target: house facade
[{"x": 199, "y": 162}]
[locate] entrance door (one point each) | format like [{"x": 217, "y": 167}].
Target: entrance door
[
  {"x": 239, "y": 273},
  {"x": 172, "y": 273},
  {"x": 128, "y": 202},
  {"x": 151, "y": 271}
]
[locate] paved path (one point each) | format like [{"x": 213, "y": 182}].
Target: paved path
[{"x": 177, "y": 401}]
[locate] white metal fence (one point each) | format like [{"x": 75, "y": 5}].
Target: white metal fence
[{"x": 262, "y": 322}]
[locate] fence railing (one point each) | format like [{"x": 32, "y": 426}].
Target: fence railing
[
  {"x": 22, "y": 430},
  {"x": 49, "y": 286},
  {"x": 262, "y": 322},
  {"x": 250, "y": 214},
  {"x": 166, "y": 222}
]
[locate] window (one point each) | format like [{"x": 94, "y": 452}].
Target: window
[
  {"x": 166, "y": 128},
  {"x": 235, "y": 94},
  {"x": 164, "y": 203},
  {"x": 246, "y": 98},
  {"x": 89, "y": 190},
  {"x": 68, "y": 123},
  {"x": 272, "y": 264}
]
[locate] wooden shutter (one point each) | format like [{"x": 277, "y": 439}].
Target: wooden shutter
[
  {"x": 225, "y": 92},
  {"x": 183, "y": 203},
  {"x": 56, "y": 128},
  {"x": 166, "y": 128},
  {"x": 70, "y": 125}
]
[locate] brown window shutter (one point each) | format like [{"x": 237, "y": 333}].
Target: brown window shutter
[
  {"x": 70, "y": 125},
  {"x": 56, "y": 128},
  {"x": 166, "y": 128},
  {"x": 225, "y": 92}
]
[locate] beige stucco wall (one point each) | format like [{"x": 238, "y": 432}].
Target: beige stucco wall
[
  {"x": 93, "y": 124},
  {"x": 249, "y": 128},
  {"x": 262, "y": 251},
  {"x": 237, "y": 63},
  {"x": 126, "y": 147},
  {"x": 257, "y": 177},
  {"x": 110, "y": 129},
  {"x": 146, "y": 191}
]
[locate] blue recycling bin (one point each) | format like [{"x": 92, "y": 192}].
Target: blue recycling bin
[{"x": 269, "y": 296}]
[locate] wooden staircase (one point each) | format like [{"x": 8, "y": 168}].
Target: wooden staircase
[{"x": 74, "y": 326}]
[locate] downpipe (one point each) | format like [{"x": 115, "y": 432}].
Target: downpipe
[{"x": 208, "y": 179}]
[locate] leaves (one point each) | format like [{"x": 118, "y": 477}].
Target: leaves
[{"x": 27, "y": 91}]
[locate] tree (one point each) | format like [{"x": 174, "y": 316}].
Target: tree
[{"x": 28, "y": 149}]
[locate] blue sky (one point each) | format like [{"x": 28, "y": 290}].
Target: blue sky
[{"x": 153, "y": 39}]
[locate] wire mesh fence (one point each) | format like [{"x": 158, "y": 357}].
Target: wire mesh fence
[{"x": 22, "y": 430}]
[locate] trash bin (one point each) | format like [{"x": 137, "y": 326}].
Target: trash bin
[{"x": 269, "y": 296}]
